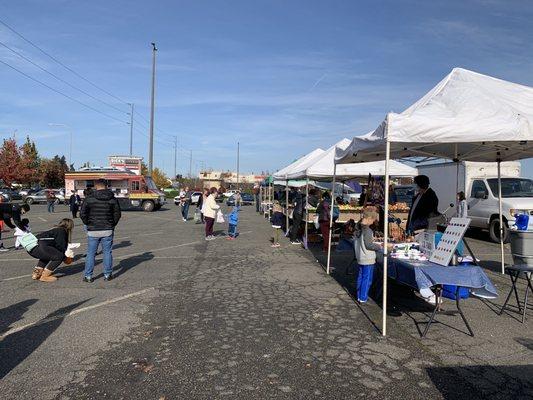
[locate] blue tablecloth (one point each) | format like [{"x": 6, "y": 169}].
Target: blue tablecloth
[{"x": 424, "y": 274}]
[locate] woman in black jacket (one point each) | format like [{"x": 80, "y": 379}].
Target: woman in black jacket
[{"x": 50, "y": 250}]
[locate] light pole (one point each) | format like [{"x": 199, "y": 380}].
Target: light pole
[
  {"x": 131, "y": 128},
  {"x": 70, "y": 144},
  {"x": 175, "y": 156},
  {"x": 152, "y": 111},
  {"x": 238, "y": 155}
]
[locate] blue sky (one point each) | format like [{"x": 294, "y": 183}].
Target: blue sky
[{"x": 281, "y": 77}]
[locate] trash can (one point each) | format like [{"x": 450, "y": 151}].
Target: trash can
[{"x": 522, "y": 247}]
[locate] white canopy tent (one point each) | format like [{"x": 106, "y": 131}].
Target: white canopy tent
[
  {"x": 282, "y": 173},
  {"x": 466, "y": 117}
]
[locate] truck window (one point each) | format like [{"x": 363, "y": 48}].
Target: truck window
[
  {"x": 478, "y": 186},
  {"x": 512, "y": 187},
  {"x": 135, "y": 185}
]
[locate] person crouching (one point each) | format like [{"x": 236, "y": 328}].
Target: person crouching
[
  {"x": 365, "y": 252},
  {"x": 50, "y": 250},
  {"x": 233, "y": 221}
]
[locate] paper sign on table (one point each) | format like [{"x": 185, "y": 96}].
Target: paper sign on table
[{"x": 450, "y": 239}]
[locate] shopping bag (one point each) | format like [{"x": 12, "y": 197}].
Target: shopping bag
[
  {"x": 315, "y": 221},
  {"x": 220, "y": 217},
  {"x": 197, "y": 216}
]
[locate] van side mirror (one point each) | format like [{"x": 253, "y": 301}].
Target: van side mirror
[{"x": 480, "y": 194}]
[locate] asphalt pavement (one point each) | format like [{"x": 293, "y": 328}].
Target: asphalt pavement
[{"x": 190, "y": 319}]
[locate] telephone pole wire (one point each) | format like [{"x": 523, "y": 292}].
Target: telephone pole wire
[{"x": 152, "y": 111}]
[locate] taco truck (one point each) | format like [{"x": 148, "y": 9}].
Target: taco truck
[{"x": 132, "y": 190}]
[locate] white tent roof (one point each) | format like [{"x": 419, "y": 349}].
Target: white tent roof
[
  {"x": 282, "y": 173},
  {"x": 323, "y": 166},
  {"x": 467, "y": 116}
]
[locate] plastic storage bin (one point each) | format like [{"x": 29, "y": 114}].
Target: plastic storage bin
[{"x": 522, "y": 247}]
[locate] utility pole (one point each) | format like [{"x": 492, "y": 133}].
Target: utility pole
[
  {"x": 190, "y": 166},
  {"x": 152, "y": 111},
  {"x": 131, "y": 128},
  {"x": 238, "y": 151},
  {"x": 175, "y": 156}
]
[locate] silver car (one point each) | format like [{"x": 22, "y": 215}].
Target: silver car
[{"x": 40, "y": 197}]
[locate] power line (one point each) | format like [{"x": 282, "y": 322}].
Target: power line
[
  {"x": 61, "y": 93},
  {"x": 60, "y": 63},
  {"x": 60, "y": 79}
]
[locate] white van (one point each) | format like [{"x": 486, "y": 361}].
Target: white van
[{"x": 479, "y": 182}]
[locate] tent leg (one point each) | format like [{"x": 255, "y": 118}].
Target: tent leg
[
  {"x": 385, "y": 238},
  {"x": 306, "y": 211},
  {"x": 286, "y": 206},
  {"x": 331, "y": 218},
  {"x": 501, "y": 216}
]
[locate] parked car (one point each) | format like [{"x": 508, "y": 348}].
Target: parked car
[
  {"x": 246, "y": 200},
  {"x": 26, "y": 192},
  {"x": 10, "y": 194},
  {"x": 195, "y": 197},
  {"x": 40, "y": 197},
  {"x": 229, "y": 193}
]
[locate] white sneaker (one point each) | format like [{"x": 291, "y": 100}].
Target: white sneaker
[
  {"x": 3, "y": 249},
  {"x": 184, "y": 219}
]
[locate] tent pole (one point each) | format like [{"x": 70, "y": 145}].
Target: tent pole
[
  {"x": 501, "y": 216},
  {"x": 331, "y": 217},
  {"x": 286, "y": 206},
  {"x": 386, "y": 235},
  {"x": 306, "y": 210}
]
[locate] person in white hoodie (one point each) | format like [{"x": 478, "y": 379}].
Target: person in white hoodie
[
  {"x": 365, "y": 252},
  {"x": 210, "y": 212}
]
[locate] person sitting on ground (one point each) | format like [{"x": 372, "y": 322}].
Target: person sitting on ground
[
  {"x": 277, "y": 220},
  {"x": 19, "y": 233},
  {"x": 233, "y": 221},
  {"x": 100, "y": 212},
  {"x": 365, "y": 252},
  {"x": 50, "y": 250},
  {"x": 210, "y": 212},
  {"x": 10, "y": 214}
]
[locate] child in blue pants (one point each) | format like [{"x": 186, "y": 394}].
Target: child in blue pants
[
  {"x": 365, "y": 252},
  {"x": 233, "y": 220}
]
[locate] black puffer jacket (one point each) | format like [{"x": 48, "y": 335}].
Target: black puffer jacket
[
  {"x": 100, "y": 211},
  {"x": 10, "y": 211}
]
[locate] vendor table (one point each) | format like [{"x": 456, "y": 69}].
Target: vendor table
[{"x": 425, "y": 275}]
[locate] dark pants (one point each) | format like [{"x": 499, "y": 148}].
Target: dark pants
[
  {"x": 47, "y": 254},
  {"x": 232, "y": 230},
  {"x": 185, "y": 210},
  {"x": 324, "y": 229},
  {"x": 209, "y": 222},
  {"x": 51, "y": 206},
  {"x": 257, "y": 202},
  {"x": 74, "y": 209},
  {"x": 296, "y": 224}
]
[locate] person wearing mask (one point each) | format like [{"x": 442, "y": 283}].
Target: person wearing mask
[
  {"x": 10, "y": 214},
  {"x": 425, "y": 204},
  {"x": 74, "y": 203},
  {"x": 298, "y": 203},
  {"x": 210, "y": 212},
  {"x": 324, "y": 214},
  {"x": 100, "y": 212},
  {"x": 50, "y": 250}
]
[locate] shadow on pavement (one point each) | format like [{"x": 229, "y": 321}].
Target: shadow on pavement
[
  {"x": 16, "y": 347},
  {"x": 13, "y": 313},
  {"x": 483, "y": 381},
  {"x": 124, "y": 243},
  {"x": 128, "y": 263}
]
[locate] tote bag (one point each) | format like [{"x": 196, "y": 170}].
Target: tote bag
[{"x": 220, "y": 217}]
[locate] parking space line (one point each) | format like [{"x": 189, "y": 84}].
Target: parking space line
[
  {"x": 42, "y": 219},
  {"x": 75, "y": 312}
]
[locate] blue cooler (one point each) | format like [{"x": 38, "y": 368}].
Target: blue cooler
[{"x": 448, "y": 291}]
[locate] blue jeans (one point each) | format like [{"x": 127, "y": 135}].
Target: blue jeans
[
  {"x": 51, "y": 206},
  {"x": 185, "y": 210},
  {"x": 107, "y": 247},
  {"x": 232, "y": 230},
  {"x": 364, "y": 281}
]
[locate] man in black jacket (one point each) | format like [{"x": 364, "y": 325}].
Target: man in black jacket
[
  {"x": 100, "y": 212},
  {"x": 10, "y": 214},
  {"x": 297, "y": 216},
  {"x": 425, "y": 204}
]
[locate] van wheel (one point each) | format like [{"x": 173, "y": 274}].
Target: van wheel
[
  {"x": 29, "y": 201},
  {"x": 494, "y": 231},
  {"x": 148, "y": 206}
]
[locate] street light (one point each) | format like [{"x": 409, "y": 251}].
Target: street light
[{"x": 70, "y": 145}]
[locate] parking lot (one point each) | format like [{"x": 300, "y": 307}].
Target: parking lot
[{"x": 187, "y": 318}]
